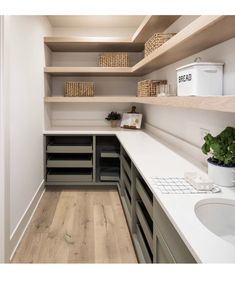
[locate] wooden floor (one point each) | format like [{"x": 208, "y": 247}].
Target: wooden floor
[{"x": 77, "y": 226}]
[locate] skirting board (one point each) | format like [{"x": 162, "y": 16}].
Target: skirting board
[
  {"x": 22, "y": 225},
  {"x": 187, "y": 150}
]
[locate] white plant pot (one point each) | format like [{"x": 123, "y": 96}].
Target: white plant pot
[{"x": 223, "y": 176}]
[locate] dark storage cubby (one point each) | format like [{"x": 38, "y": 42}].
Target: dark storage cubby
[
  {"x": 109, "y": 174},
  {"x": 127, "y": 193},
  {"x": 146, "y": 215},
  {"x": 107, "y": 159},
  {"x": 70, "y": 140},
  {"x": 146, "y": 245},
  {"x": 146, "y": 188},
  {"x": 69, "y": 159},
  {"x": 127, "y": 158},
  {"x": 69, "y": 174}
]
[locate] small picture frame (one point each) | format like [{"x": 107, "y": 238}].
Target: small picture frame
[{"x": 131, "y": 120}]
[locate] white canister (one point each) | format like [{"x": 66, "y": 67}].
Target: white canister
[
  {"x": 200, "y": 79},
  {"x": 220, "y": 175}
]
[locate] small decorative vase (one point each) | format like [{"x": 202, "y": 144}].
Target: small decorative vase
[
  {"x": 114, "y": 123},
  {"x": 221, "y": 175}
]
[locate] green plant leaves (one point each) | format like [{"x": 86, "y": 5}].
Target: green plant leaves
[
  {"x": 113, "y": 116},
  {"x": 221, "y": 147}
]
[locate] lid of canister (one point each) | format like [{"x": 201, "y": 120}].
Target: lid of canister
[{"x": 200, "y": 64}]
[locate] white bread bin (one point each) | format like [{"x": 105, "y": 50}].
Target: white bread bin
[{"x": 200, "y": 79}]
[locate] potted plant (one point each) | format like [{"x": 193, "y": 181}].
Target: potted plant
[
  {"x": 221, "y": 164},
  {"x": 114, "y": 117}
]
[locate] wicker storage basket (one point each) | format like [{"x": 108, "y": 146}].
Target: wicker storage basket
[
  {"x": 79, "y": 89},
  {"x": 149, "y": 88},
  {"x": 118, "y": 59},
  {"x": 156, "y": 41}
]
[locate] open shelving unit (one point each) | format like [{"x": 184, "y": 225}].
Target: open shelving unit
[
  {"x": 150, "y": 25},
  {"x": 202, "y": 33}
]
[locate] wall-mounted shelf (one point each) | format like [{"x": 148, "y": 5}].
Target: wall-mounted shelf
[
  {"x": 147, "y": 28},
  {"x": 152, "y": 24},
  {"x": 202, "y": 33},
  {"x": 92, "y": 44},
  {"x": 89, "y": 71},
  {"x": 96, "y": 99},
  {"x": 213, "y": 103}
]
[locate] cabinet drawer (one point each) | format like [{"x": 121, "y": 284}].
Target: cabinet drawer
[
  {"x": 174, "y": 242},
  {"x": 109, "y": 178},
  {"x": 69, "y": 175},
  {"x": 128, "y": 199},
  {"x": 163, "y": 253},
  {"x": 69, "y": 149},
  {"x": 69, "y": 162},
  {"x": 109, "y": 155},
  {"x": 109, "y": 173},
  {"x": 142, "y": 244},
  {"x": 127, "y": 183},
  {"x": 148, "y": 203},
  {"x": 145, "y": 226},
  {"x": 126, "y": 166}
]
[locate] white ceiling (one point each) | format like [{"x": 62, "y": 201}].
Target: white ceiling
[{"x": 100, "y": 21}]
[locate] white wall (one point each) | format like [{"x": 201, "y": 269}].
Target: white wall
[
  {"x": 2, "y": 151},
  {"x": 104, "y": 86},
  {"x": 82, "y": 114},
  {"x": 186, "y": 123},
  {"x": 26, "y": 90},
  {"x": 86, "y": 59}
]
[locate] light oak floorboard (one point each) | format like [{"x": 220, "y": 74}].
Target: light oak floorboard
[{"x": 77, "y": 226}]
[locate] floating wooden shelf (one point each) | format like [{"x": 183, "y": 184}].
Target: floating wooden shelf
[
  {"x": 89, "y": 71},
  {"x": 152, "y": 24},
  {"x": 96, "y": 99},
  {"x": 92, "y": 44},
  {"x": 202, "y": 33},
  {"x": 149, "y": 26},
  {"x": 213, "y": 103}
]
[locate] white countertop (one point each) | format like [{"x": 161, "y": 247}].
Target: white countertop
[{"x": 153, "y": 159}]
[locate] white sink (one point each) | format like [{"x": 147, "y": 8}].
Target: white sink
[{"x": 218, "y": 215}]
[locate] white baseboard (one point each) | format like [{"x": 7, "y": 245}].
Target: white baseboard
[
  {"x": 187, "y": 150},
  {"x": 23, "y": 224}
]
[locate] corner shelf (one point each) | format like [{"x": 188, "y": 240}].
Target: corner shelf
[
  {"x": 212, "y": 103},
  {"x": 202, "y": 33},
  {"x": 153, "y": 24},
  {"x": 92, "y": 44},
  {"x": 150, "y": 25}
]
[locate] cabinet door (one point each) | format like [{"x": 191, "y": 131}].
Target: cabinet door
[
  {"x": 167, "y": 231},
  {"x": 163, "y": 254}
]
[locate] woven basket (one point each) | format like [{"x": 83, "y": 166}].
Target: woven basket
[
  {"x": 149, "y": 88},
  {"x": 79, "y": 89},
  {"x": 118, "y": 59},
  {"x": 156, "y": 41}
]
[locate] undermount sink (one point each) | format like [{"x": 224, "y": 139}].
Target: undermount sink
[{"x": 218, "y": 215}]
